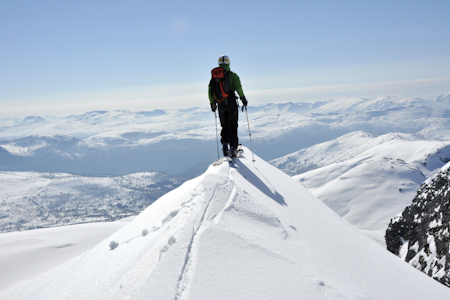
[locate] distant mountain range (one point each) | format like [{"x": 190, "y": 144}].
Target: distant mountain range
[{"x": 179, "y": 141}]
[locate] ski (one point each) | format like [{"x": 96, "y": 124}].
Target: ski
[
  {"x": 229, "y": 159},
  {"x": 221, "y": 161},
  {"x": 239, "y": 153}
]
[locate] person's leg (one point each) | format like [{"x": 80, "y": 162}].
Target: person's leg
[
  {"x": 224, "y": 123},
  {"x": 233, "y": 127},
  {"x": 223, "y": 116}
]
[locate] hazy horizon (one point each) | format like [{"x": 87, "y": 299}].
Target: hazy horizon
[{"x": 70, "y": 57}]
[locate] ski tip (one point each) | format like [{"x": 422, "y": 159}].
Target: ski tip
[{"x": 221, "y": 161}]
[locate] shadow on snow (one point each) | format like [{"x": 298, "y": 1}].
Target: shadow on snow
[{"x": 258, "y": 183}]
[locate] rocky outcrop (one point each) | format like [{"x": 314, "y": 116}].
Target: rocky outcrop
[{"x": 420, "y": 234}]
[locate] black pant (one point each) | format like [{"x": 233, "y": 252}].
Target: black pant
[{"x": 228, "y": 115}]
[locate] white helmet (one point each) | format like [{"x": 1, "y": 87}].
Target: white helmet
[{"x": 224, "y": 60}]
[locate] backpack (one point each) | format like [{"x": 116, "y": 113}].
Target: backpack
[{"x": 220, "y": 84}]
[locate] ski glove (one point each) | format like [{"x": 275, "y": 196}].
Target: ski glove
[
  {"x": 213, "y": 107},
  {"x": 244, "y": 103}
]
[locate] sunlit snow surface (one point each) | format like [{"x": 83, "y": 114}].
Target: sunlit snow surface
[
  {"x": 28, "y": 254},
  {"x": 365, "y": 179},
  {"x": 242, "y": 231}
]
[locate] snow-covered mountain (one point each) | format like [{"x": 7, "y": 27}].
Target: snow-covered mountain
[
  {"x": 420, "y": 234},
  {"x": 367, "y": 179},
  {"x": 242, "y": 231},
  {"x": 30, "y": 200},
  {"x": 338, "y": 150},
  {"x": 174, "y": 141},
  {"x": 376, "y": 104}
]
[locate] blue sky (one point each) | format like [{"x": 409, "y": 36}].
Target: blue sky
[{"x": 63, "y": 57}]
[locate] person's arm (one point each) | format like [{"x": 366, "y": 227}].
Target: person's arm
[
  {"x": 237, "y": 85},
  {"x": 238, "y": 88},
  {"x": 212, "y": 102},
  {"x": 211, "y": 99}
]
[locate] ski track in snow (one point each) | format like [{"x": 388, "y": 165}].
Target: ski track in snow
[
  {"x": 212, "y": 214},
  {"x": 188, "y": 270},
  {"x": 184, "y": 276}
]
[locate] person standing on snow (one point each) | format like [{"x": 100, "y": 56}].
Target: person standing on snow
[{"x": 221, "y": 92}]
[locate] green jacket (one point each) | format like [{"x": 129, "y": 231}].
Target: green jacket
[{"x": 235, "y": 84}]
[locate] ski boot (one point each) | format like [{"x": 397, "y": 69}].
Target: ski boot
[
  {"x": 225, "y": 150},
  {"x": 233, "y": 152}
]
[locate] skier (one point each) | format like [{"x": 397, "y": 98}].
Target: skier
[{"x": 221, "y": 91}]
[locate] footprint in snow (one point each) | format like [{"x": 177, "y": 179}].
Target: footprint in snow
[
  {"x": 170, "y": 242},
  {"x": 113, "y": 245},
  {"x": 170, "y": 216}
]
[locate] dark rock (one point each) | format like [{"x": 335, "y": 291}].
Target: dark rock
[{"x": 424, "y": 229}]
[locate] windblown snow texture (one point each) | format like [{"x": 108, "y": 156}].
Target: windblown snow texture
[
  {"x": 239, "y": 231},
  {"x": 420, "y": 235}
]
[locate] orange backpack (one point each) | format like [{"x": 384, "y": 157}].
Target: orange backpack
[{"x": 220, "y": 84}]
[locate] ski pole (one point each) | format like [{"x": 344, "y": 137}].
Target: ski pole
[
  {"x": 217, "y": 137},
  {"x": 249, "y": 134}
]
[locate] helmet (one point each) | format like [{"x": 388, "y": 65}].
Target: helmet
[{"x": 224, "y": 60}]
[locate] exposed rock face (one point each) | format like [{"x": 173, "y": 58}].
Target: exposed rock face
[{"x": 420, "y": 235}]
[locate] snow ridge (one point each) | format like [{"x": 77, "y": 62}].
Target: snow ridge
[{"x": 239, "y": 231}]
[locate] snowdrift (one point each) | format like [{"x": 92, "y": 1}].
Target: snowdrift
[{"x": 242, "y": 231}]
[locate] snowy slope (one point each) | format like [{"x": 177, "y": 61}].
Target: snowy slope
[
  {"x": 338, "y": 150},
  {"x": 236, "y": 232},
  {"x": 27, "y": 254},
  {"x": 370, "y": 188},
  {"x": 366, "y": 104},
  {"x": 30, "y": 200}
]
